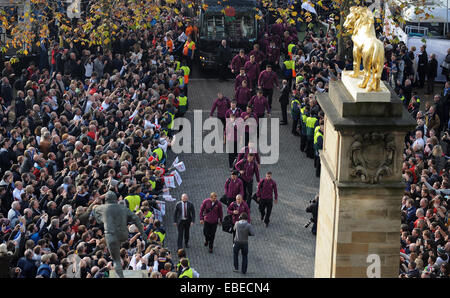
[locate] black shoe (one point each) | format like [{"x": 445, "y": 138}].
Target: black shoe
[
  {"x": 267, "y": 224},
  {"x": 206, "y": 243},
  {"x": 262, "y": 217},
  {"x": 283, "y": 123},
  {"x": 210, "y": 250}
]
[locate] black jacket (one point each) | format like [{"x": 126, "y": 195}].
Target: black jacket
[
  {"x": 178, "y": 212},
  {"x": 423, "y": 60},
  {"x": 224, "y": 55},
  {"x": 284, "y": 98},
  {"x": 5, "y": 160},
  {"x": 432, "y": 69},
  {"x": 6, "y": 93},
  {"x": 20, "y": 107}
]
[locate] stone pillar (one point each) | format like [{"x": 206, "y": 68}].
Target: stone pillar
[{"x": 360, "y": 183}]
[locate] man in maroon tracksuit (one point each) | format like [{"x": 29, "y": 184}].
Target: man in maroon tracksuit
[
  {"x": 252, "y": 70},
  {"x": 211, "y": 214},
  {"x": 236, "y": 208},
  {"x": 242, "y": 76},
  {"x": 248, "y": 167},
  {"x": 266, "y": 189},
  {"x": 233, "y": 110},
  {"x": 242, "y": 96},
  {"x": 264, "y": 43},
  {"x": 259, "y": 55},
  {"x": 222, "y": 104},
  {"x": 238, "y": 62},
  {"x": 233, "y": 138},
  {"x": 251, "y": 127},
  {"x": 249, "y": 148},
  {"x": 273, "y": 54},
  {"x": 267, "y": 79},
  {"x": 233, "y": 187},
  {"x": 260, "y": 104}
]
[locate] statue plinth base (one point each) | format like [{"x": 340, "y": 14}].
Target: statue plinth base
[
  {"x": 130, "y": 274},
  {"x": 361, "y": 95},
  {"x": 360, "y": 184}
]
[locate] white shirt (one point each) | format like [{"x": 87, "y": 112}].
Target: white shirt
[
  {"x": 16, "y": 194},
  {"x": 183, "y": 204},
  {"x": 88, "y": 106},
  {"x": 104, "y": 106},
  {"x": 420, "y": 142},
  {"x": 163, "y": 144},
  {"x": 148, "y": 124},
  {"x": 89, "y": 67}
]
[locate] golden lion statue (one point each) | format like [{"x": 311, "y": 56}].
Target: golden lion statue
[{"x": 366, "y": 47}]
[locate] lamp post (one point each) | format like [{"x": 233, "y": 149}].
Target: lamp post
[{"x": 446, "y": 23}]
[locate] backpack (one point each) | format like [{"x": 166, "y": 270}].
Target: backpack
[
  {"x": 227, "y": 224},
  {"x": 254, "y": 197}
]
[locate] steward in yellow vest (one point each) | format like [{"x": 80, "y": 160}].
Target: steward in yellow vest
[
  {"x": 182, "y": 105},
  {"x": 133, "y": 200}
]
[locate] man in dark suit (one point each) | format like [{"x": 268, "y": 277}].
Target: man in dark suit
[
  {"x": 184, "y": 218},
  {"x": 284, "y": 101},
  {"x": 422, "y": 65},
  {"x": 223, "y": 60},
  {"x": 432, "y": 69}
]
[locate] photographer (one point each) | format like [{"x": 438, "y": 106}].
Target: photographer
[{"x": 313, "y": 208}]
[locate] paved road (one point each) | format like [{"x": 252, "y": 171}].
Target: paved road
[{"x": 285, "y": 248}]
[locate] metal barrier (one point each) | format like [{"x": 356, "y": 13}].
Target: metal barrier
[{"x": 416, "y": 30}]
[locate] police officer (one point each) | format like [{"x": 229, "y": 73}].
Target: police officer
[
  {"x": 295, "y": 113},
  {"x": 304, "y": 112},
  {"x": 318, "y": 145},
  {"x": 311, "y": 123}
]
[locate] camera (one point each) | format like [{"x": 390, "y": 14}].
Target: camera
[{"x": 308, "y": 223}]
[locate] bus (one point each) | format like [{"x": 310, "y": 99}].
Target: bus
[{"x": 240, "y": 31}]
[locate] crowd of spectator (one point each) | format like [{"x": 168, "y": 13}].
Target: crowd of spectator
[
  {"x": 85, "y": 120},
  {"x": 425, "y": 230},
  {"x": 76, "y": 123}
]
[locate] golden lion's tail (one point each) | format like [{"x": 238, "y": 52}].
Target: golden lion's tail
[{"x": 378, "y": 59}]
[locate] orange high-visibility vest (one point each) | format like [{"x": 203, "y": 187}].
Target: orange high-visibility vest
[
  {"x": 169, "y": 45},
  {"x": 187, "y": 47}
]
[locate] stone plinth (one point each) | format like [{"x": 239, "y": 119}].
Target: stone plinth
[
  {"x": 130, "y": 274},
  {"x": 360, "y": 183},
  {"x": 360, "y": 95}
]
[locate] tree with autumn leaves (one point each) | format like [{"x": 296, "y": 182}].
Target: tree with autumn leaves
[
  {"x": 98, "y": 24},
  {"x": 100, "y": 20}
]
